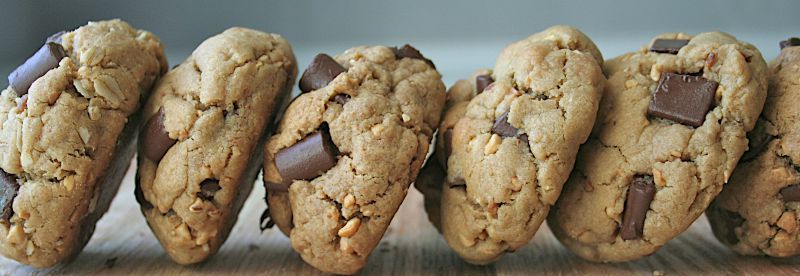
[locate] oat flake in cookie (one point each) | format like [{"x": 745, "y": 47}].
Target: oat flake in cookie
[
  {"x": 670, "y": 129},
  {"x": 347, "y": 149},
  {"x": 202, "y": 144},
  {"x": 70, "y": 119},
  {"x": 508, "y": 150},
  {"x": 757, "y": 211}
]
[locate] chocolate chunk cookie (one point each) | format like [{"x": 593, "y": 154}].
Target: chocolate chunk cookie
[
  {"x": 757, "y": 212},
  {"x": 347, "y": 149},
  {"x": 202, "y": 146},
  {"x": 515, "y": 142},
  {"x": 670, "y": 130},
  {"x": 431, "y": 176},
  {"x": 69, "y": 124}
]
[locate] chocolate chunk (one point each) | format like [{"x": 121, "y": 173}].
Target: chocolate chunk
[
  {"x": 792, "y": 41},
  {"x": 156, "y": 140},
  {"x": 43, "y": 60},
  {"x": 640, "y": 194},
  {"x": 448, "y": 142},
  {"x": 208, "y": 188},
  {"x": 341, "y": 98},
  {"x": 8, "y": 190},
  {"x": 682, "y": 98},
  {"x": 668, "y": 46},
  {"x": 308, "y": 158},
  {"x": 56, "y": 37},
  {"x": 503, "y": 128},
  {"x": 408, "y": 51},
  {"x": 524, "y": 138},
  {"x": 322, "y": 70},
  {"x": 482, "y": 81},
  {"x": 791, "y": 193}
]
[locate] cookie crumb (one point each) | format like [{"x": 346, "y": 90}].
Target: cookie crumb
[
  {"x": 406, "y": 118},
  {"x": 658, "y": 273}
]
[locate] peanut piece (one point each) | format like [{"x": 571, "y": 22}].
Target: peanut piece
[{"x": 350, "y": 228}]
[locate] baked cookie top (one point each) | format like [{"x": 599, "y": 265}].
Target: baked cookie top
[
  {"x": 677, "y": 157},
  {"x": 756, "y": 213},
  {"x": 56, "y": 140},
  {"x": 378, "y": 109},
  {"x": 514, "y": 146},
  {"x": 206, "y": 117}
]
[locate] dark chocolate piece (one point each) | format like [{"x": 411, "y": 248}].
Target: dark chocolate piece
[
  {"x": 640, "y": 194},
  {"x": 791, "y": 193},
  {"x": 308, "y": 158},
  {"x": 668, "y": 46},
  {"x": 8, "y": 190},
  {"x": 684, "y": 99},
  {"x": 36, "y": 66},
  {"x": 156, "y": 140},
  {"x": 341, "y": 98},
  {"x": 503, "y": 128},
  {"x": 408, "y": 51},
  {"x": 482, "y": 81},
  {"x": 448, "y": 142},
  {"x": 322, "y": 70},
  {"x": 208, "y": 188},
  {"x": 792, "y": 41}
]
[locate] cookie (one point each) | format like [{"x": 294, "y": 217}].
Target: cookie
[
  {"x": 508, "y": 151},
  {"x": 202, "y": 146},
  {"x": 70, "y": 121},
  {"x": 756, "y": 213},
  {"x": 671, "y": 127},
  {"x": 431, "y": 177},
  {"x": 347, "y": 149}
]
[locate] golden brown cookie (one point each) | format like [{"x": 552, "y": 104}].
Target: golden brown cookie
[
  {"x": 70, "y": 121},
  {"x": 512, "y": 146},
  {"x": 671, "y": 127},
  {"x": 202, "y": 146},
  {"x": 757, "y": 211},
  {"x": 347, "y": 149}
]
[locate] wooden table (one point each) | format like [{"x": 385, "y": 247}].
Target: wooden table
[{"x": 123, "y": 244}]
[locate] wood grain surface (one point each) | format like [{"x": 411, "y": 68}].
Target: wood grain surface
[{"x": 124, "y": 245}]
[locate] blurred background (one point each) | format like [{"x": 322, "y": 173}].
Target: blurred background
[{"x": 459, "y": 36}]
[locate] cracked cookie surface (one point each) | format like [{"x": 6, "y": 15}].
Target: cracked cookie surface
[
  {"x": 514, "y": 146},
  {"x": 216, "y": 109},
  {"x": 382, "y": 129},
  {"x": 687, "y": 166},
  {"x": 754, "y": 214},
  {"x": 69, "y": 141}
]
